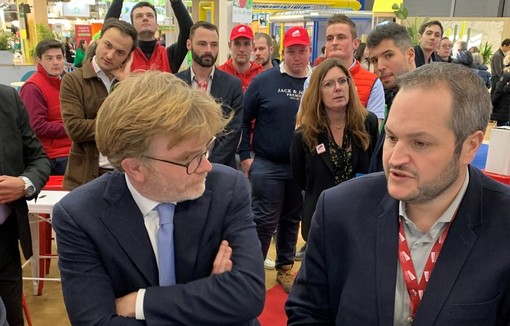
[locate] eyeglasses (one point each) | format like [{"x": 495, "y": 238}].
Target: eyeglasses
[
  {"x": 193, "y": 164},
  {"x": 447, "y": 46},
  {"x": 342, "y": 81}
]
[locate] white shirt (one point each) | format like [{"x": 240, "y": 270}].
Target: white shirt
[
  {"x": 420, "y": 244},
  {"x": 151, "y": 220},
  {"x": 103, "y": 161}
]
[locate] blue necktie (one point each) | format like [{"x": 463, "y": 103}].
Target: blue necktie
[{"x": 166, "y": 244}]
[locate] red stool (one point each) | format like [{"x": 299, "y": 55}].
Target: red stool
[
  {"x": 25, "y": 309},
  {"x": 54, "y": 183},
  {"x": 498, "y": 177}
]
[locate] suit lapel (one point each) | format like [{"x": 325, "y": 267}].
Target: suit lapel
[
  {"x": 216, "y": 86},
  {"x": 186, "y": 74},
  {"x": 189, "y": 223},
  {"x": 386, "y": 260},
  {"x": 125, "y": 222},
  {"x": 459, "y": 242}
]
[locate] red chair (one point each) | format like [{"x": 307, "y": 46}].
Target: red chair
[
  {"x": 25, "y": 309},
  {"x": 54, "y": 183},
  {"x": 498, "y": 177}
]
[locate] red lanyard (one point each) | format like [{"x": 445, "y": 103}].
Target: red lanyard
[
  {"x": 203, "y": 86},
  {"x": 414, "y": 288}
]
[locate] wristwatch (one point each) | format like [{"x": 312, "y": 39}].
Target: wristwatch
[{"x": 29, "y": 187}]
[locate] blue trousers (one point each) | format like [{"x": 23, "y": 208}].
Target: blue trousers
[
  {"x": 58, "y": 165},
  {"x": 277, "y": 204}
]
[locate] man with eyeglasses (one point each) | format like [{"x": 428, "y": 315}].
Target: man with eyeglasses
[
  {"x": 119, "y": 262},
  {"x": 444, "y": 52}
]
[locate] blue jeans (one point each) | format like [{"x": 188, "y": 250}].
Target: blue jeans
[
  {"x": 58, "y": 165},
  {"x": 277, "y": 204}
]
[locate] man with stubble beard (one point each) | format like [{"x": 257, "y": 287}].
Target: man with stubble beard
[{"x": 225, "y": 88}]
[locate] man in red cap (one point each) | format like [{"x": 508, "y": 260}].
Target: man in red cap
[
  {"x": 239, "y": 65},
  {"x": 273, "y": 99}
]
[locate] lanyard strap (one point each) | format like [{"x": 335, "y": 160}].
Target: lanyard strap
[{"x": 414, "y": 288}]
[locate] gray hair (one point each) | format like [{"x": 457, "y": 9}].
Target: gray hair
[{"x": 471, "y": 103}]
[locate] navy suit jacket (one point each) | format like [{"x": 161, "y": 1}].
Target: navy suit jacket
[
  {"x": 105, "y": 253},
  {"x": 228, "y": 91},
  {"x": 349, "y": 272}
]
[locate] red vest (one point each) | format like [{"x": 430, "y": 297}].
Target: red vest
[
  {"x": 158, "y": 60},
  {"x": 246, "y": 76},
  {"x": 364, "y": 81},
  {"x": 50, "y": 89}
]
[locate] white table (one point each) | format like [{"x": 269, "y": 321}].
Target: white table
[{"x": 44, "y": 205}]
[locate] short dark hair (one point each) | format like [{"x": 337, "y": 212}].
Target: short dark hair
[
  {"x": 390, "y": 31},
  {"x": 45, "y": 45},
  {"x": 428, "y": 24},
  {"x": 124, "y": 28},
  {"x": 202, "y": 24},
  {"x": 506, "y": 42},
  {"x": 266, "y": 37},
  {"x": 343, "y": 19},
  {"x": 471, "y": 103},
  {"x": 140, "y": 5}
]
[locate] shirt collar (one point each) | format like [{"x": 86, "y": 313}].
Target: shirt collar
[
  {"x": 283, "y": 70},
  {"x": 145, "y": 205},
  {"x": 449, "y": 213},
  {"x": 208, "y": 78}
]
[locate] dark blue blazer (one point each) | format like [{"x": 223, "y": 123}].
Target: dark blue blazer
[
  {"x": 105, "y": 253},
  {"x": 228, "y": 91},
  {"x": 349, "y": 272}
]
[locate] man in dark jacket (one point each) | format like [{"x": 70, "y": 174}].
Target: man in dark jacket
[
  {"x": 430, "y": 37},
  {"x": 24, "y": 170},
  {"x": 497, "y": 63}
]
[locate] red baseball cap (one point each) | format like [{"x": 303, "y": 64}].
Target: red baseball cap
[
  {"x": 296, "y": 35},
  {"x": 241, "y": 31}
]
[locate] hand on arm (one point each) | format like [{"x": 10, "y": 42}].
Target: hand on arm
[
  {"x": 245, "y": 165},
  {"x": 126, "y": 306},
  {"x": 222, "y": 262}
]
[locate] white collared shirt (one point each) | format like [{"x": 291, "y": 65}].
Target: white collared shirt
[
  {"x": 283, "y": 70},
  {"x": 151, "y": 220},
  {"x": 194, "y": 80},
  {"x": 420, "y": 244},
  {"x": 103, "y": 161}
]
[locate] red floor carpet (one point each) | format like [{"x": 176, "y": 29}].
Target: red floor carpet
[{"x": 274, "y": 313}]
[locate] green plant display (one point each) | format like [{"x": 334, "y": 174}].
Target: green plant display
[
  {"x": 43, "y": 33},
  {"x": 5, "y": 44},
  {"x": 402, "y": 13},
  {"x": 486, "y": 52}
]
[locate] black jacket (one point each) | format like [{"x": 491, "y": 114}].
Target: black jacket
[
  {"x": 501, "y": 99},
  {"x": 315, "y": 173}
]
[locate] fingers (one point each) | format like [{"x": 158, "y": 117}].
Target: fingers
[{"x": 222, "y": 262}]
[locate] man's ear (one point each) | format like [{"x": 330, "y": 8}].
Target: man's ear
[
  {"x": 134, "y": 169},
  {"x": 470, "y": 146},
  {"x": 188, "y": 44}
]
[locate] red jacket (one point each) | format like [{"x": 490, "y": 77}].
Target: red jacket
[
  {"x": 41, "y": 96},
  {"x": 246, "y": 76},
  {"x": 158, "y": 60},
  {"x": 364, "y": 81}
]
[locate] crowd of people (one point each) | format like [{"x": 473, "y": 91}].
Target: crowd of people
[{"x": 180, "y": 180}]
